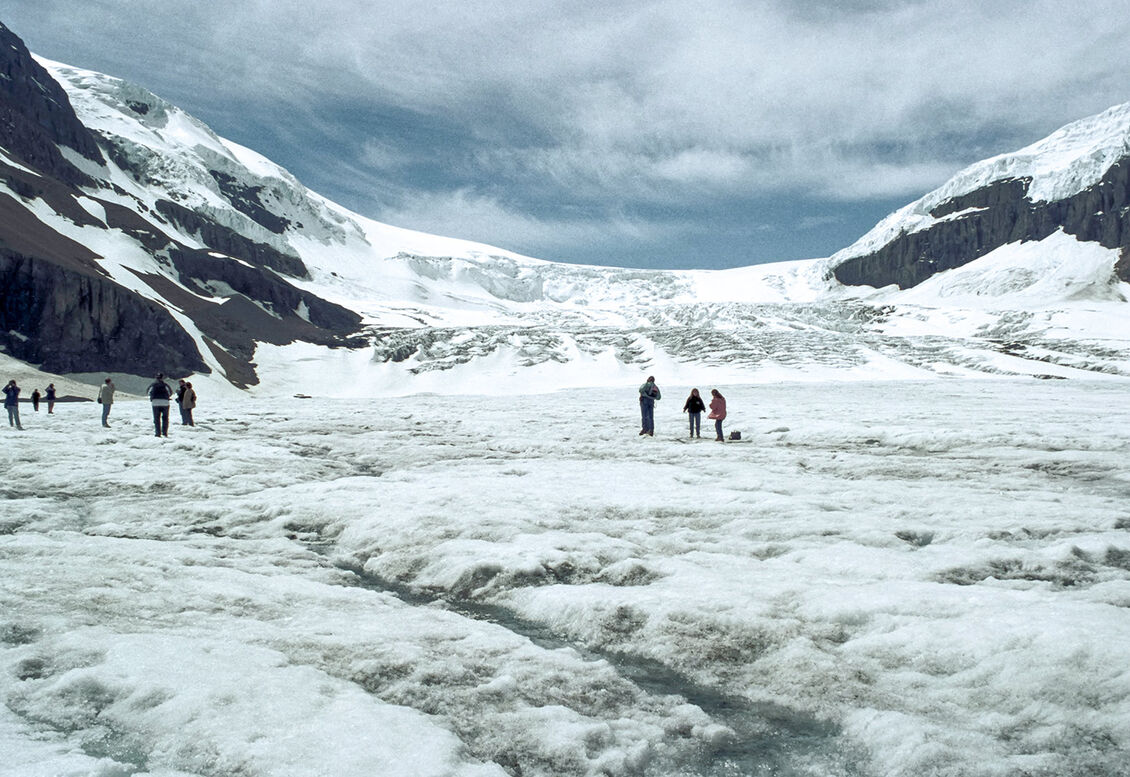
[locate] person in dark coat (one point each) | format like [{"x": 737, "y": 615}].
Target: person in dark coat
[
  {"x": 160, "y": 394},
  {"x": 180, "y": 400},
  {"x": 35, "y": 400},
  {"x": 12, "y": 404},
  {"x": 50, "y": 398},
  {"x": 694, "y": 407},
  {"x": 649, "y": 393}
]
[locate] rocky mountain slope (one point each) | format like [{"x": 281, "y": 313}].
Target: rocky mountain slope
[
  {"x": 134, "y": 239},
  {"x": 1077, "y": 180}
]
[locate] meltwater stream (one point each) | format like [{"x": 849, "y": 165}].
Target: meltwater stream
[{"x": 769, "y": 739}]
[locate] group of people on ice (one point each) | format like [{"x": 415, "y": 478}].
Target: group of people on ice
[
  {"x": 161, "y": 397},
  {"x": 12, "y": 401},
  {"x": 694, "y": 407},
  {"x": 160, "y": 394}
]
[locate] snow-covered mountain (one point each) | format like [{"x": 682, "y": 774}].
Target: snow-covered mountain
[
  {"x": 1077, "y": 180},
  {"x": 134, "y": 239}
]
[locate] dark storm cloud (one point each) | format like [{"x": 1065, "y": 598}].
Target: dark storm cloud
[{"x": 658, "y": 132}]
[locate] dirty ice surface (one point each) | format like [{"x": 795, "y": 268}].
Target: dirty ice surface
[{"x": 915, "y": 578}]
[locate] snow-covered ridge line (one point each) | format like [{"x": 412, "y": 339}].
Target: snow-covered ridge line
[
  {"x": 1067, "y": 162},
  {"x": 180, "y": 155},
  {"x": 349, "y": 254},
  {"x": 182, "y": 159}
]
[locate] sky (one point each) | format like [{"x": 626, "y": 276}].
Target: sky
[{"x": 649, "y": 133}]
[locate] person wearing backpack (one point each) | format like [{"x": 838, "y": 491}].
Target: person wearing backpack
[
  {"x": 159, "y": 396},
  {"x": 106, "y": 399},
  {"x": 649, "y": 393}
]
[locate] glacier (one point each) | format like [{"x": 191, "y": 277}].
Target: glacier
[{"x": 882, "y": 578}]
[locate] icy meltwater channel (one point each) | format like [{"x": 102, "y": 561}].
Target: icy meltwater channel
[{"x": 880, "y": 579}]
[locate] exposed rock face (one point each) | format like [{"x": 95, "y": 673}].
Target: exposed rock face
[
  {"x": 60, "y": 310},
  {"x": 230, "y": 242},
  {"x": 247, "y": 201},
  {"x": 35, "y": 115},
  {"x": 200, "y": 267},
  {"x": 996, "y": 215},
  {"x": 1122, "y": 267},
  {"x": 78, "y": 322}
]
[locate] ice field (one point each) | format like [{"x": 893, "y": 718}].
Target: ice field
[{"x": 881, "y": 578}]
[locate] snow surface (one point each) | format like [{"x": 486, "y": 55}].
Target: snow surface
[{"x": 881, "y": 578}]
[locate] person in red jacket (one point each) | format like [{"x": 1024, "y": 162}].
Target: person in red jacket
[{"x": 717, "y": 411}]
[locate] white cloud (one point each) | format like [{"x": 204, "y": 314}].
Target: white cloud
[
  {"x": 733, "y": 94},
  {"x": 474, "y": 216},
  {"x": 383, "y": 156},
  {"x": 703, "y": 166}
]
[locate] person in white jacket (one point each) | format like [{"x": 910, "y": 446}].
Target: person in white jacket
[{"x": 106, "y": 399}]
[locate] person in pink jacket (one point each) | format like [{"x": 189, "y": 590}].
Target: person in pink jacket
[{"x": 717, "y": 411}]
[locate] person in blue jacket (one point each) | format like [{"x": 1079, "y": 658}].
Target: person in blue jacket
[{"x": 649, "y": 394}]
